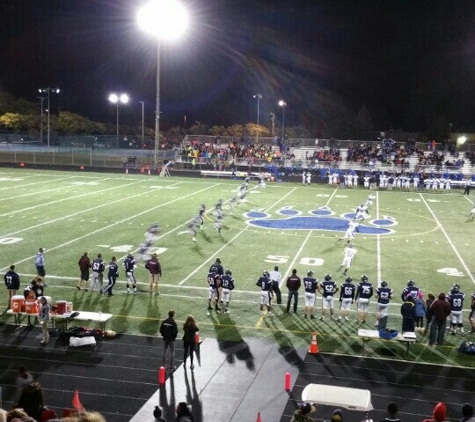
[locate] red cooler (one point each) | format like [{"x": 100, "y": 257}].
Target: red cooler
[
  {"x": 17, "y": 303},
  {"x": 62, "y": 306},
  {"x": 31, "y": 307}
]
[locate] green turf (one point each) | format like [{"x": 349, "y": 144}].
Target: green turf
[{"x": 69, "y": 213}]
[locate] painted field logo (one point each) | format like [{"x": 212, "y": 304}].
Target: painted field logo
[{"x": 319, "y": 219}]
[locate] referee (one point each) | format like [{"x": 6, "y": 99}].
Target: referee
[{"x": 275, "y": 278}]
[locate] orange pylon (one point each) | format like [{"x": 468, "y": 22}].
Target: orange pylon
[
  {"x": 81, "y": 168},
  {"x": 313, "y": 345},
  {"x": 258, "y": 417},
  {"x": 22, "y": 164}
]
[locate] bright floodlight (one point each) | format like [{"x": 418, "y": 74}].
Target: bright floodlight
[
  {"x": 461, "y": 139},
  {"x": 282, "y": 103},
  {"x": 166, "y": 19},
  {"x": 123, "y": 98}
]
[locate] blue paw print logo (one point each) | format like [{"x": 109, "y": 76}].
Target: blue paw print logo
[{"x": 319, "y": 219}]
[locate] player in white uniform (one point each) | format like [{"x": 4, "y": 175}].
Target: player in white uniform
[
  {"x": 348, "y": 257},
  {"x": 471, "y": 216},
  {"x": 350, "y": 231},
  {"x": 361, "y": 212},
  {"x": 309, "y": 178}
]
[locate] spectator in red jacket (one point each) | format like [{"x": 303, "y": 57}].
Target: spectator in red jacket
[
  {"x": 440, "y": 411},
  {"x": 440, "y": 310}
]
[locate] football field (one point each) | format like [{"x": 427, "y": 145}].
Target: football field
[{"x": 422, "y": 236}]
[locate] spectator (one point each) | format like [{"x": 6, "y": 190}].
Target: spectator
[
  {"x": 157, "y": 414},
  {"x": 337, "y": 416},
  {"x": 408, "y": 312},
  {"x": 12, "y": 282},
  {"x": 440, "y": 411},
  {"x": 440, "y": 310},
  {"x": 169, "y": 332},
  {"x": 31, "y": 400},
  {"x": 183, "y": 413},
  {"x": 23, "y": 379},
  {"x": 189, "y": 340},
  {"x": 429, "y": 301},
  {"x": 293, "y": 285},
  {"x": 302, "y": 414},
  {"x": 467, "y": 413},
  {"x": 392, "y": 413}
]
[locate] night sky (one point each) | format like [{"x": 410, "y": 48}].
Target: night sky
[{"x": 405, "y": 61}]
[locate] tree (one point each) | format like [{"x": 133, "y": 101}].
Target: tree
[
  {"x": 253, "y": 129},
  {"x": 68, "y": 122},
  {"x": 19, "y": 122},
  {"x": 236, "y": 130},
  {"x": 218, "y": 131}
]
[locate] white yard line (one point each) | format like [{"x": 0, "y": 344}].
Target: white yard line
[
  {"x": 287, "y": 272},
  {"x": 112, "y": 225},
  {"x": 449, "y": 240},
  {"x": 44, "y": 204},
  {"x": 228, "y": 243},
  {"x": 125, "y": 198},
  {"x": 16, "y": 187}
]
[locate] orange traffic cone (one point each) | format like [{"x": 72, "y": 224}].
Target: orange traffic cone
[
  {"x": 22, "y": 164},
  {"x": 258, "y": 417},
  {"x": 313, "y": 345},
  {"x": 142, "y": 170},
  {"x": 81, "y": 168},
  {"x": 76, "y": 402}
]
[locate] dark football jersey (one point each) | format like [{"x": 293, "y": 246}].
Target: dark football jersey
[
  {"x": 328, "y": 288},
  {"x": 113, "y": 269},
  {"x": 364, "y": 290},
  {"x": 384, "y": 294},
  {"x": 347, "y": 291},
  {"x": 98, "y": 265},
  {"x": 227, "y": 282},
  {"x": 413, "y": 290},
  {"x": 310, "y": 284},
  {"x": 129, "y": 264},
  {"x": 265, "y": 284},
  {"x": 213, "y": 280},
  {"x": 456, "y": 301}
]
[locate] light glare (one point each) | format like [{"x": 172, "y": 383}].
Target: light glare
[{"x": 166, "y": 19}]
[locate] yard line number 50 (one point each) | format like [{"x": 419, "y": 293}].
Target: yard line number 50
[{"x": 282, "y": 259}]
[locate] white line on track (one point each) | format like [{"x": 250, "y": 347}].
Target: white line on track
[
  {"x": 448, "y": 240},
  {"x": 228, "y": 243},
  {"x": 114, "y": 224}
]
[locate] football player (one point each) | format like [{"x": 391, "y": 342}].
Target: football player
[
  {"x": 310, "y": 284},
  {"x": 328, "y": 288},
  {"x": 97, "y": 267},
  {"x": 455, "y": 297},
  {"x": 350, "y": 231},
  {"x": 384, "y": 295},
  {"x": 130, "y": 265},
  {"x": 364, "y": 292},
  {"x": 265, "y": 284},
  {"x": 218, "y": 215},
  {"x": 347, "y": 297},
  {"x": 227, "y": 284},
  {"x": 276, "y": 278},
  {"x": 348, "y": 257},
  {"x": 361, "y": 212},
  {"x": 471, "y": 216},
  {"x": 112, "y": 275},
  {"x": 214, "y": 282},
  {"x": 411, "y": 289}
]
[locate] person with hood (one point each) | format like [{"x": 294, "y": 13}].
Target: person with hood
[
  {"x": 302, "y": 414},
  {"x": 440, "y": 310},
  {"x": 408, "y": 312},
  {"x": 467, "y": 413},
  {"x": 183, "y": 413},
  {"x": 440, "y": 412}
]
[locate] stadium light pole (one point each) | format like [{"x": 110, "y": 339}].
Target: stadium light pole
[
  {"x": 166, "y": 20},
  {"x": 42, "y": 99},
  {"x": 259, "y": 98},
  {"x": 272, "y": 119},
  {"x": 48, "y": 91},
  {"x": 282, "y": 104},
  {"x": 143, "y": 121},
  {"x": 117, "y": 99}
]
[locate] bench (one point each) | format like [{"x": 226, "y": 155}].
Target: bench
[
  {"x": 336, "y": 397},
  {"x": 98, "y": 317},
  {"x": 367, "y": 335}
]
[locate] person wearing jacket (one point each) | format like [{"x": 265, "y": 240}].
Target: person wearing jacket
[
  {"x": 12, "y": 281},
  {"x": 440, "y": 412},
  {"x": 408, "y": 312},
  {"x": 440, "y": 310},
  {"x": 169, "y": 332}
]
